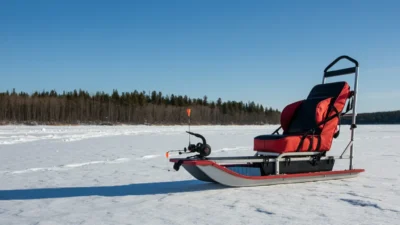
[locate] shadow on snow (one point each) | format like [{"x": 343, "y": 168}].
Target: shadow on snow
[{"x": 109, "y": 191}]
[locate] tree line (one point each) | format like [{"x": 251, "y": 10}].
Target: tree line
[
  {"x": 390, "y": 117},
  {"x": 80, "y": 107}
]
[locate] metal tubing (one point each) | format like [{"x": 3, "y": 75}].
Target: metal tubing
[
  {"x": 256, "y": 160},
  {"x": 348, "y": 145},
  {"x": 340, "y": 157},
  {"x": 354, "y": 114},
  {"x": 278, "y": 159},
  {"x": 353, "y": 121},
  {"x": 267, "y": 154}
]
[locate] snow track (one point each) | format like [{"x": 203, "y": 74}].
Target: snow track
[{"x": 119, "y": 175}]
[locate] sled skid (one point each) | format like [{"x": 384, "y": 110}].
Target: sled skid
[{"x": 216, "y": 172}]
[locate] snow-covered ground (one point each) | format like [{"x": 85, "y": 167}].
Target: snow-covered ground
[{"x": 119, "y": 175}]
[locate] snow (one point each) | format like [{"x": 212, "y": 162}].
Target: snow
[{"x": 119, "y": 175}]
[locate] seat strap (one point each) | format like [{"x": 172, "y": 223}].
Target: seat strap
[
  {"x": 339, "y": 118},
  {"x": 348, "y": 109},
  {"x": 301, "y": 143},
  {"x": 312, "y": 131},
  {"x": 318, "y": 143},
  {"x": 311, "y": 143}
]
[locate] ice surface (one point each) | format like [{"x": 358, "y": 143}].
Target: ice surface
[{"x": 119, "y": 175}]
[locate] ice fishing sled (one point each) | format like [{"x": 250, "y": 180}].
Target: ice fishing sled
[{"x": 297, "y": 150}]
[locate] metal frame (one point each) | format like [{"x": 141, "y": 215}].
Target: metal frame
[
  {"x": 266, "y": 154},
  {"x": 245, "y": 160},
  {"x": 255, "y": 159},
  {"x": 279, "y": 158},
  {"x": 341, "y": 72},
  {"x": 350, "y": 145}
]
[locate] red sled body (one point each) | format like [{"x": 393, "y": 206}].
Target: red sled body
[{"x": 299, "y": 153}]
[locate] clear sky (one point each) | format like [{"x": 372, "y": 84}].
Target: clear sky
[{"x": 270, "y": 52}]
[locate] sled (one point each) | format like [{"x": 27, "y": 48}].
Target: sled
[{"x": 299, "y": 153}]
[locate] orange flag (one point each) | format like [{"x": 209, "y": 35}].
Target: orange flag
[{"x": 188, "y": 112}]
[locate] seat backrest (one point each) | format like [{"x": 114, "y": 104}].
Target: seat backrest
[
  {"x": 322, "y": 102},
  {"x": 335, "y": 89}
]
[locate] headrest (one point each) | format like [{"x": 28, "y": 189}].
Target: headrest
[{"x": 327, "y": 90}]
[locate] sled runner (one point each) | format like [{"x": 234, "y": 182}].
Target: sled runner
[{"x": 299, "y": 152}]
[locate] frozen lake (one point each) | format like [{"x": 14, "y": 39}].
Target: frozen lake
[{"x": 119, "y": 175}]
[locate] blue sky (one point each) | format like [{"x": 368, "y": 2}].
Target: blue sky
[{"x": 269, "y": 52}]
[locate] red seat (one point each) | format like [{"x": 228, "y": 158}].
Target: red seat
[{"x": 310, "y": 124}]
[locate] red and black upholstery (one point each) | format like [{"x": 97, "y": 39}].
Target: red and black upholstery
[{"x": 310, "y": 124}]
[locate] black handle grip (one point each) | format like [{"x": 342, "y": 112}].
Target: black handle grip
[{"x": 342, "y": 71}]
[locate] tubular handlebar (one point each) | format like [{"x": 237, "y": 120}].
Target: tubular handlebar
[
  {"x": 338, "y": 59},
  {"x": 341, "y": 71}
]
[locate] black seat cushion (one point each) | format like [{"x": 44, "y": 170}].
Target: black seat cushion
[{"x": 270, "y": 137}]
